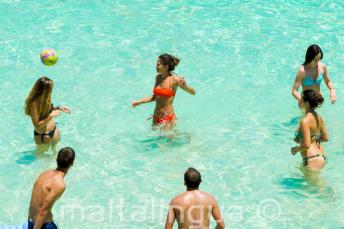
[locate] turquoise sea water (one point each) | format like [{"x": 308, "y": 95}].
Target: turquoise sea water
[{"x": 240, "y": 56}]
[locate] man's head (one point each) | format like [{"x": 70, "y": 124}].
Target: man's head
[
  {"x": 192, "y": 178},
  {"x": 65, "y": 158}
]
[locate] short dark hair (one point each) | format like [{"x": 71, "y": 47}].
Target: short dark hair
[
  {"x": 192, "y": 178},
  {"x": 65, "y": 157}
]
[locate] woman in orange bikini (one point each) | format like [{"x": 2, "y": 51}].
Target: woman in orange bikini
[
  {"x": 42, "y": 112},
  {"x": 164, "y": 91}
]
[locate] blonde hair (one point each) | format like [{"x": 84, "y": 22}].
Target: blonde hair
[{"x": 40, "y": 91}]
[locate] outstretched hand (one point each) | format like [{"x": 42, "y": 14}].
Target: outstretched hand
[
  {"x": 135, "y": 104},
  {"x": 65, "y": 109}
]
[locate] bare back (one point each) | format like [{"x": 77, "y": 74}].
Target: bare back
[
  {"x": 49, "y": 183},
  {"x": 316, "y": 126},
  {"x": 192, "y": 209}
]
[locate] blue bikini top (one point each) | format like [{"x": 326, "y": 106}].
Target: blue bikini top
[{"x": 308, "y": 81}]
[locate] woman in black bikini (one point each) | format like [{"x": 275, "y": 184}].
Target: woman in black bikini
[
  {"x": 39, "y": 107},
  {"x": 311, "y": 133}
]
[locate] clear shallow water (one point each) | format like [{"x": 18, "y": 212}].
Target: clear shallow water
[{"x": 240, "y": 56}]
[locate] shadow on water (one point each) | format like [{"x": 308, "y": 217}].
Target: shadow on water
[
  {"x": 293, "y": 122},
  {"x": 309, "y": 184},
  {"x": 160, "y": 140},
  {"x": 27, "y": 157}
]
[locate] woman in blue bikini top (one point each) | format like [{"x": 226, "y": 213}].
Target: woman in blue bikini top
[{"x": 311, "y": 73}]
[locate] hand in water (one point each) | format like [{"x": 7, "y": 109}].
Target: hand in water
[
  {"x": 333, "y": 98},
  {"x": 294, "y": 150}
]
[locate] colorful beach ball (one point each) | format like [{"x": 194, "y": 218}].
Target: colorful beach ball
[{"x": 49, "y": 57}]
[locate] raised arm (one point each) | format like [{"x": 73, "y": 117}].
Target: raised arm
[
  {"x": 216, "y": 213},
  {"x": 56, "y": 191},
  {"x": 182, "y": 83},
  {"x": 329, "y": 85},
  {"x": 298, "y": 80}
]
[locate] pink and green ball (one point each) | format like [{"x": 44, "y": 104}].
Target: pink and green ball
[{"x": 49, "y": 57}]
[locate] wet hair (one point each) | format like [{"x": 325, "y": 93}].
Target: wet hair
[
  {"x": 192, "y": 178},
  {"x": 169, "y": 60},
  {"x": 65, "y": 157},
  {"x": 313, "y": 98},
  {"x": 41, "y": 90},
  {"x": 312, "y": 51}
]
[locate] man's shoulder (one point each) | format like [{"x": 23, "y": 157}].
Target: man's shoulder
[{"x": 208, "y": 196}]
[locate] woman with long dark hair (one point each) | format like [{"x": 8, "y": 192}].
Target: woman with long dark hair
[
  {"x": 311, "y": 73},
  {"x": 42, "y": 112},
  {"x": 164, "y": 91}
]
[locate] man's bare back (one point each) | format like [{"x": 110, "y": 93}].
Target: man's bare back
[
  {"x": 47, "y": 184},
  {"x": 192, "y": 209},
  {"x": 48, "y": 187}
]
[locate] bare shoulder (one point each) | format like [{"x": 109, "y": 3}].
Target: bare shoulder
[
  {"x": 305, "y": 120},
  {"x": 302, "y": 69},
  {"x": 301, "y": 73},
  {"x": 323, "y": 67},
  {"x": 177, "y": 200},
  {"x": 58, "y": 184},
  {"x": 177, "y": 78},
  {"x": 321, "y": 120},
  {"x": 209, "y": 197}
]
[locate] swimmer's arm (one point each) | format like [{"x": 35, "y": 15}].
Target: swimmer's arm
[
  {"x": 306, "y": 133},
  {"x": 324, "y": 134},
  {"x": 329, "y": 85},
  {"x": 298, "y": 79},
  {"x": 170, "y": 217},
  {"x": 63, "y": 108},
  {"x": 35, "y": 117},
  {"x": 47, "y": 205},
  {"x": 182, "y": 83},
  {"x": 144, "y": 100},
  {"x": 216, "y": 213}
]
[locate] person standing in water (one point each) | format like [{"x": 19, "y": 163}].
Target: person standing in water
[
  {"x": 42, "y": 112},
  {"x": 165, "y": 88},
  {"x": 47, "y": 189},
  {"x": 311, "y": 133},
  {"x": 192, "y": 209},
  {"x": 311, "y": 73}
]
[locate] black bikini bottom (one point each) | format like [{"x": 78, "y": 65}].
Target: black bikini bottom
[
  {"x": 49, "y": 134},
  {"x": 305, "y": 159}
]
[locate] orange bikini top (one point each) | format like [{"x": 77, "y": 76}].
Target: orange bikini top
[{"x": 164, "y": 92}]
